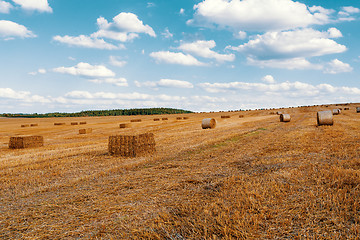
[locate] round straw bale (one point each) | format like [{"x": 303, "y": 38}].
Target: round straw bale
[
  {"x": 241, "y": 116},
  {"x": 358, "y": 109},
  {"x": 336, "y": 111},
  {"x": 285, "y": 118},
  {"x": 325, "y": 118},
  {"x": 208, "y": 123},
  {"x": 179, "y": 118},
  {"x": 156, "y": 119},
  {"x": 25, "y": 125},
  {"x": 346, "y": 108}
]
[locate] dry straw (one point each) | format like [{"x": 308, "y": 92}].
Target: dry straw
[
  {"x": 124, "y": 125},
  {"x": 26, "y": 142},
  {"x": 85, "y": 130},
  {"x": 133, "y": 145},
  {"x": 325, "y": 118},
  {"x": 227, "y": 116},
  {"x": 135, "y": 120},
  {"x": 82, "y": 123},
  {"x": 208, "y": 123},
  {"x": 285, "y": 118},
  {"x": 336, "y": 111}
]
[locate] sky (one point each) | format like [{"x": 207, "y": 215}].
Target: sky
[{"x": 198, "y": 55}]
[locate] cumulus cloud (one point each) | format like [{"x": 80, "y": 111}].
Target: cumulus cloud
[
  {"x": 167, "y": 33},
  {"x": 203, "y": 49},
  {"x": 116, "y": 62},
  {"x": 119, "y": 82},
  {"x": 23, "y": 96},
  {"x": 258, "y": 15},
  {"x": 10, "y": 30},
  {"x": 124, "y": 27},
  {"x": 39, "y": 71},
  {"x": 168, "y": 83},
  {"x": 176, "y": 58},
  {"x": 336, "y": 66},
  {"x": 182, "y": 11},
  {"x": 292, "y": 44},
  {"x": 240, "y": 35},
  {"x": 87, "y": 42},
  {"x": 268, "y": 79},
  {"x": 86, "y": 70},
  {"x": 291, "y": 63},
  {"x": 34, "y": 5},
  {"x": 285, "y": 89},
  {"x": 5, "y": 7}
]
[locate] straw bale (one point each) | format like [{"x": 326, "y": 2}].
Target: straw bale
[
  {"x": 347, "y": 108},
  {"x": 278, "y": 113},
  {"x": 285, "y": 118},
  {"x": 85, "y": 130},
  {"x": 74, "y": 123},
  {"x": 26, "y": 142},
  {"x": 325, "y": 118},
  {"x": 227, "y": 116},
  {"x": 179, "y": 118},
  {"x": 124, "y": 125},
  {"x": 132, "y": 145},
  {"x": 156, "y": 119},
  {"x": 135, "y": 120},
  {"x": 208, "y": 123},
  {"x": 358, "y": 109},
  {"x": 34, "y": 125},
  {"x": 82, "y": 123},
  {"x": 185, "y": 118},
  {"x": 336, "y": 111},
  {"x": 59, "y": 124},
  {"x": 164, "y": 118},
  {"x": 241, "y": 116},
  {"x": 25, "y": 125}
]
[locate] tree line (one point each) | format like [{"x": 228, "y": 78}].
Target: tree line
[{"x": 97, "y": 113}]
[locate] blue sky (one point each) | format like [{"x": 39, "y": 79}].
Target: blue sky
[{"x": 199, "y": 55}]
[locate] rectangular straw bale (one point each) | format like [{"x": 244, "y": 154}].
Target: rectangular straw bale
[
  {"x": 241, "y": 116},
  {"x": 26, "y": 142},
  {"x": 132, "y": 145},
  {"x": 34, "y": 125},
  {"x": 227, "y": 116},
  {"x": 25, "y": 125},
  {"x": 179, "y": 118},
  {"x": 156, "y": 119},
  {"x": 185, "y": 118},
  {"x": 74, "y": 123},
  {"x": 85, "y": 130},
  {"x": 164, "y": 118},
  {"x": 82, "y": 123},
  {"x": 135, "y": 120},
  {"x": 124, "y": 125},
  {"x": 59, "y": 124}
]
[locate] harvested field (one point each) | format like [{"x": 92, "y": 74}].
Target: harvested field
[{"x": 237, "y": 181}]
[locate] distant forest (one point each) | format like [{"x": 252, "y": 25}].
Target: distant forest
[{"x": 96, "y": 113}]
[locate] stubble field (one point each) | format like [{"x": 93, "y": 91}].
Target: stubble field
[{"x": 249, "y": 178}]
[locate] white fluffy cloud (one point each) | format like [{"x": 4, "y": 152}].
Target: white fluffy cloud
[
  {"x": 116, "y": 62},
  {"x": 34, "y": 5},
  {"x": 166, "y": 83},
  {"x": 124, "y": 27},
  {"x": 259, "y": 15},
  {"x": 167, "y": 33},
  {"x": 203, "y": 49},
  {"x": 10, "y": 30},
  {"x": 5, "y": 7},
  {"x": 176, "y": 58},
  {"x": 39, "y": 71},
  {"x": 87, "y": 42},
  {"x": 268, "y": 79},
  {"x": 86, "y": 70},
  {"x": 119, "y": 82},
  {"x": 292, "y": 44},
  {"x": 285, "y": 89},
  {"x": 337, "y": 66},
  {"x": 290, "y": 63}
]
